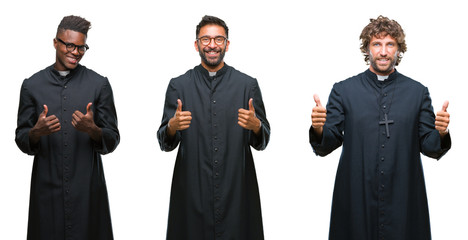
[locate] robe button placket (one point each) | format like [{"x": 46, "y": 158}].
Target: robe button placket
[
  {"x": 216, "y": 163},
  {"x": 383, "y": 140}
]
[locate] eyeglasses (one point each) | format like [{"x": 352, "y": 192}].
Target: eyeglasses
[
  {"x": 205, "y": 40},
  {"x": 71, "y": 46}
]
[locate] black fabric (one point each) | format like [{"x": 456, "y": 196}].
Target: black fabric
[
  {"x": 68, "y": 198},
  {"x": 379, "y": 188},
  {"x": 214, "y": 189}
]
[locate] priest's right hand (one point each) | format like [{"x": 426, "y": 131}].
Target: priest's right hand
[
  {"x": 319, "y": 116},
  {"x": 180, "y": 121},
  {"x": 45, "y": 125}
]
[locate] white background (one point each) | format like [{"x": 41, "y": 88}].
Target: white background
[{"x": 294, "y": 48}]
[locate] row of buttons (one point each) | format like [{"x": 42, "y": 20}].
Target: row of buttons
[
  {"x": 217, "y": 174},
  {"x": 383, "y": 139},
  {"x": 66, "y": 167}
]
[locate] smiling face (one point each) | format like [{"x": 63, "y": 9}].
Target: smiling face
[
  {"x": 212, "y": 54},
  {"x": 383, "y": 54},
  {"x": 66, "y": 60}
]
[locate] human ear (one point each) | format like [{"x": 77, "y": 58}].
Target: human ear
[
  {"x": 227, "y": 45},
  {"x": 196, "y": 46}
]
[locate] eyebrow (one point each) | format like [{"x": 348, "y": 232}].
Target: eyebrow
[{"x": 213, "y": 36}]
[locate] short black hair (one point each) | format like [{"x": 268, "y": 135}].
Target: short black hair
[
  {"x": 74, "y": 23},
  {"x": 207, "y": 20}
]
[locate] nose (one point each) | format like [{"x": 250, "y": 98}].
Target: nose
[
  {"x": 383, "y": 50},
  {"x": 75, "y": 52},
  {"x": 212, "y": 43}
]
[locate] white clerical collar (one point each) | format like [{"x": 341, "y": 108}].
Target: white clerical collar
[
  {"x": 382, "y": 78},
  {"x": 63, "y": 73},
  {"x": 212, "y": 74}
]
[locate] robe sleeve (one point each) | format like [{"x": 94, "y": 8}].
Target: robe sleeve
[
  {"x": 430, "y": 141},
  {"x": 27, "y": 118},
  {"x": 332, "y": 136},
  {"x": 259, "y": 142},
  {"x": 170, "y": 105},
  {"x": 105, "y": 117}
]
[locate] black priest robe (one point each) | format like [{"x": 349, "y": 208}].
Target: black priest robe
[
  {"x": 214, "y": 188},
  {"x": 383, "y": 127},
  {"x": 68, "y": 198}
]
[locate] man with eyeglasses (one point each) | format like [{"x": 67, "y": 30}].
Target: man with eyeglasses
[
  {"x": 67, "y": 119},
  {"x": 215, "y": 114}
]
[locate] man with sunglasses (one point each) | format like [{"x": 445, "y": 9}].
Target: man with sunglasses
[
  {"x": 216, "y": 114},
  {"x": 67, "y": 119}
]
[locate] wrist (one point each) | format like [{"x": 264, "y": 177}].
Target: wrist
[
  {"x": 257, "y": 129},
  {"x": 443, "y": 133},
  {"x": 95, "y": 133},
  {"x": 33, "y": 135},
  {"x": 170, "y": 132}
]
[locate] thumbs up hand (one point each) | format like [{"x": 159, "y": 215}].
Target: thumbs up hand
[
  {"x": 319, "y": 116},
  {"x": 248, "y": 120},
  {"x": 44, "y": 126},
  {"x": 84, "y": 122},
  {"x": 442, "y": 120},
  {"x": 180, "y": 121}
]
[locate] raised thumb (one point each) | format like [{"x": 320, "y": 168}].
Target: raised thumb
[
  {"x": 179, "y": 105},
  {"x": 317, "y": 100},
  {"x": 251, "y": 106},
  {"x": 44, "y": 112},
  {"x": 445, "y": 106},
  {"x": 88, "y": 108}
]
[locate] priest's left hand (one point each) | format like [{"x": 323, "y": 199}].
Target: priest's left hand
[
  {"x": 442, "y": 120},
  {"x": 85, "y": 123},
  {"x": 248, "y": 120}
]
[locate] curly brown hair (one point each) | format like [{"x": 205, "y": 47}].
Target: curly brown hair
[{"x": 381, "y": 27}]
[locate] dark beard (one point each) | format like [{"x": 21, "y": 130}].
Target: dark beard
[
  {"x": 382, "y": 72},
  {"x": 385, "y": 71},
  {"x": 211, "y": 63}
]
